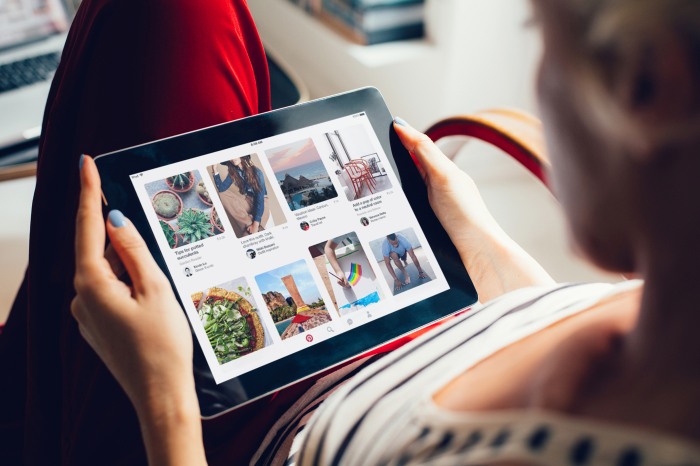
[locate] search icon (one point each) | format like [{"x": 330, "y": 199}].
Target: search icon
[{"x": 329, "y": 329}]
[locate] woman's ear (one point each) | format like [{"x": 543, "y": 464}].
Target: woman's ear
[{"x": 655, "y": 82}]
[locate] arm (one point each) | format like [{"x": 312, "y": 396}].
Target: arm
[
  {"x": 397, "y": 283},
  {"x": 258, "y": 206},
  {"x": 140, "y": 332},
  {"x": 221, "y": 185},
  {"x": 329, "y": 250},
  {"x": 415, "y": 260},
  {"x": 495, "y": 262},
  {"x": 258, "y": 202}
]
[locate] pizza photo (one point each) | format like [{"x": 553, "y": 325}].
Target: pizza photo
[{"x": 231, "y": 323}]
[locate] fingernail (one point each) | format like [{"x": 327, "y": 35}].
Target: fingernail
[
  {"x": 400, "y": 121},
  {"x": 80, "y": 162},
  {"x": 116, "y": 218}
]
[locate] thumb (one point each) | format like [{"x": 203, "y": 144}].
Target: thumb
[
  {"x": 427, "y": 155},
  {"x": 132, "y": 250}
]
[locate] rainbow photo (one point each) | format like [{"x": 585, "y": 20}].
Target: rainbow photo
[
  {"x": 355, "y": 274},
  {"x": 346, "y": 273}
]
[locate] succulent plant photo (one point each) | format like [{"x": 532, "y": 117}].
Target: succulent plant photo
[
  {"x": 181, "y": 182},
  {"x": 169, "y": 233},
  {"x": 167, "y": 204},
  {"x": 203, "y": 193},
  {"x": 216, "y": 221},
  {"x": 194, "y": 225}
]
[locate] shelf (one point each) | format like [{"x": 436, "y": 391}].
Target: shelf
[{"x": 276, "y": 19}]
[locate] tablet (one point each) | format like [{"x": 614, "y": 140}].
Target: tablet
[{"x": 295, "y": 240}]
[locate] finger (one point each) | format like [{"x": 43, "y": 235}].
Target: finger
[
  {"x": 428, "y": 156},
  {"x": 90, "y": 227},
  {"x": 115, "y": 263},
  {"x": 134, "y": 254}
]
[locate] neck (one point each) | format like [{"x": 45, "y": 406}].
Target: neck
[{"x": 666, "y": 337}]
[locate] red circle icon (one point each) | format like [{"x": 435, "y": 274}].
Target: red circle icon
[{"x": 309, "y": 338}]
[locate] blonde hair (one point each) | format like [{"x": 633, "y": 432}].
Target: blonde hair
[{"x": 611, "y": 35}]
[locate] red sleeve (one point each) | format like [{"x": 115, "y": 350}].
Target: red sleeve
[{"x": 132, "y": 71}]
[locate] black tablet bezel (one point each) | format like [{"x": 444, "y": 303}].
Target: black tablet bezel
[{"x": 116, "y": 167}]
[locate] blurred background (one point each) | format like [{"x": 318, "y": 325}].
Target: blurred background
[{"x": 430, "y": 59}]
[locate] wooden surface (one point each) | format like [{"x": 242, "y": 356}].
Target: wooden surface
[{"x": 517, "y": 133}]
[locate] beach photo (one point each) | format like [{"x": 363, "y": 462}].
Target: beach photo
[
  {"x": 231, "y": 320},
  {"x": 346, "y": 273},
  {"x": 292, "y": 298},
  {"x": 402, "y": 260},
  {"x": 359, "y": 168},
  {"x": 184, "y": 209},
  {"x": 245, "y": 192},
  {"x": 301, "y": 174}
]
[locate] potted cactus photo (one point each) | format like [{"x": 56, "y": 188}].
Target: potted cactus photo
[
  {"x": 167, "y": 204},
  {"x": 180, "y": 183},
  {"x": 194, "y": 225},
  {"x": 169, "y": 233},
  {"x": 203, "y": 193},
  {"x": 216, "y": 221}
]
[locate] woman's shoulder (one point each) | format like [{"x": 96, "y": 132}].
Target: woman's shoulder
[{"x": 375, "y": 400}]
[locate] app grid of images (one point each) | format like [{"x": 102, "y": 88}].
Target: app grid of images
[
  {"x": 183, "y": 205},
  {"x": 294, "y": 302},
  {"x": 231, "y": 320},
  {"x": 234, "y": 325},
  {"x": 346, "y": 273},
  {"x": 301, "y": 174},
  {"x": 402, "y": 260},
  {"x": 246, "y": 195}
]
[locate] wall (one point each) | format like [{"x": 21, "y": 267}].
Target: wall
[{"x": 477, "y": 54}]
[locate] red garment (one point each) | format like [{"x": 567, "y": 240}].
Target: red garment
[{"x": 132, "y": 71}]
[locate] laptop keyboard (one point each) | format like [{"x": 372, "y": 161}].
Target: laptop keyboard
[{"x": 28, "y": 71}]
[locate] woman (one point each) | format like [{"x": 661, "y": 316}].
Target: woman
[
  {"x": 244, "y": 196},
  {"x": 543, "y": 373}
]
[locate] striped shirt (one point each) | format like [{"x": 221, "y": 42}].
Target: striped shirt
[{"x": 384, "y": 414}]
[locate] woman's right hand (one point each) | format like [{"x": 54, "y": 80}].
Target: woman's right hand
[
  {"x": 453, "y": 195},
  {"x": 495, "y": 262}
]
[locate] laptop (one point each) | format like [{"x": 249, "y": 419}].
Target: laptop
[{"x": 32, "y": 34}]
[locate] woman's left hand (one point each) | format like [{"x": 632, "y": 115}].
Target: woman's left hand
[{"x": 139, "y": 331}]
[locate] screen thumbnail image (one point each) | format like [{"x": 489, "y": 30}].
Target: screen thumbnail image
[
  {"x": 402, "y": 260},
  {"x": 346, "y": 273},
  {"x": 184, "y": 209},
  {"x": 231, "y": 320},
  {"x": 301, "y": 174},
  {"x": 359, "y": 169},
  {"x": 246, "y": 194},
  {"x": 293, "y": 299}
]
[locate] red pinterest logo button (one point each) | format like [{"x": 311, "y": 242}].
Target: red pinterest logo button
[{"x": 309, "y": 338}]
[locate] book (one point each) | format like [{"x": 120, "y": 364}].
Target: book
[
  {"x": 375, "y": 19},
  {"x": 363, "y": 37},
  {"x": 363, "y": 4}
]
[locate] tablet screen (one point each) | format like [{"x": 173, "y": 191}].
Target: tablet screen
[{"x": 279, "y": 244}]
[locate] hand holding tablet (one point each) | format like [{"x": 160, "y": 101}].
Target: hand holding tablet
[{"x": 334, "y": 165}]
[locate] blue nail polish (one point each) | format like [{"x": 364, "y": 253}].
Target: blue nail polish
[
  {"x": 116, "y": 218},
  {"x": 400, "y": 121},
  {"x": 80, "y": 162}
]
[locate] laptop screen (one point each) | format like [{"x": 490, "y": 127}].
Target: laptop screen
[{"x": 25, "y": 20}]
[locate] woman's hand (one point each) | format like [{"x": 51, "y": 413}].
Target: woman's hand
[
  {"x": 253, "y": 228},
  {"x": 139, "y": 331},
  {"x": 495, "y": 262}
]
